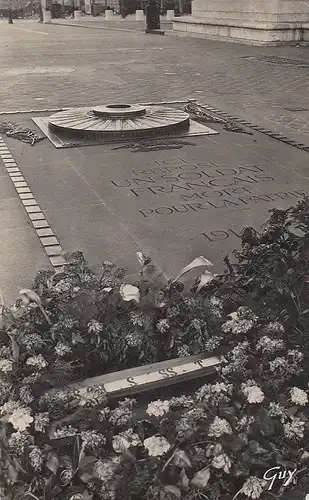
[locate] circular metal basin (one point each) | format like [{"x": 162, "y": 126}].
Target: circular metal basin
[{"x": 118, "y": 121}]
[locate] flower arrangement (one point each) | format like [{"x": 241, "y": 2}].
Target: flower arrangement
[
  {"x": 213, "y": 443},
  {"x": 75, "y": 324}
]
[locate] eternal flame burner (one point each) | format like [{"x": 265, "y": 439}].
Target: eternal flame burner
[{"x": 119, "y": 121}]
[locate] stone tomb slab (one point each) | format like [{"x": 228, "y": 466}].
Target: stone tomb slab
[{"x": 173, "y": 203}]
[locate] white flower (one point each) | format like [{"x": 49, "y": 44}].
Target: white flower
[
  {"x": 218, "y": 427},
  {"x": 294, "y": 429},
  {"x": 95, "y": 327},
  {"x": 253, "y": 487},
  {"x": 181, "y": 402},
  {"x": 238, "y": 326},
  {"x": 222, "y": 461},
  {"x": 279, "y": 365},
  {"x": 132, "y": 437},
  {"x": 21, "y": 419},
  {"x": 183, "y": 351},
  {"x": 233, "y": 315},
  {"x": 156, "y": 446},
  {"x": 120, "y": 444},
  {"x": 105, "y": 470},
  {"x": 9, "y": 407},
  {"x": 275, "y": 327},
  {"x": 41, "y": 421},
  {"x": 6, "y": 366},
  {"x": 215, "y": 392},
  {"x": 65, "y": 432},
  {"x": 244, "y": 423},
  {"x": 266, "y": 344},
  {"x": 276, "y": 410},
  {"x": 163, "y": 325},
  {"x": 129, "y": 292},
  {"x": 37, "y": 361},
  {"x": 62, "y": 286},
  {"x": 36, "y": 458},
  {"x": 92, "y": 439},
  {"x": 158, "y": 408},
  {"x": 305, "y": 455},
  {"x": 254, "y": 394},
  {"x": 219, "y": 387},
  {"x": 18, "y": 440},
  {"x": 62, "y": 349},
  {"x": 92, "y": 396},
  {"x": 299, "y": 397}
]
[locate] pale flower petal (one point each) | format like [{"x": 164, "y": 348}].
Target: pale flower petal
[
  {"x": 157, "y": 446},
  {"x": 21, "y": 419},
  {"x": 6, "y": 365},
  {"x": 129, "y": 292},
  {"x": 158, "y": 408},
  {"x": 120, "y": 444},
  {"x": 299, "y": 397},
  {"x": 254, "y": 394}
]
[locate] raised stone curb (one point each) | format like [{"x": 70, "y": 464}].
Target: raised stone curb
[
  {"x": 257, "y": 128},
  {"x": 38, "y": 220}
]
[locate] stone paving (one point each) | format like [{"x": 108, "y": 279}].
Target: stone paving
[
  {"x": 47, "y": 66},
  {"x": 52, "y": 66},
  {"x": 116, "y": 24}
]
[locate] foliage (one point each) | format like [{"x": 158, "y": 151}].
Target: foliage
[
  {"x": 63, "y": 443},
  {"x": 81, "y": 325}
]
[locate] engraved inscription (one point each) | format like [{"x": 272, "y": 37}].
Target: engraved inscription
[{"x": 175, "y": 186}]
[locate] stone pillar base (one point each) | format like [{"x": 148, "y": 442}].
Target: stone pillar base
[
  {"x": 257, "y": 22},
  {"x": 280, "y": 34},
  {"x": 77, "y": 15},
  {"x": 46, "y": 17},
  {"x": 139, "y": 15},
  {"x": 109, "y": 14},
  {"x": 170, "y": 14}
]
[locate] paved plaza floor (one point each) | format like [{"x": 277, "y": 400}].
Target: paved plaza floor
[{"x": 98, "y": 198}]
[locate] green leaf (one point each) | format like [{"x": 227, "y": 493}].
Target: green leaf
[
  {"x": 201, "y": 478},
  {"x": 292, "y": 411},
  {"x": 77, "y": 338},
  {"x": 173, "y": 490},
  {"x": 86, "y": 461},
  {"x": 53, "y": 463},
  {"x": 184, "y": 481},
  {"x": 181, "y": 459},
  {"x": 56, "y": 490},
  {"x": 256, "y": 449},
  {"x": 237, "y": 444},
  {"x": 85, "y": 477},
  {"x": 12, "y": 474},
  {"x": 128, "y": 455},
  {"x": 196, "y": 347},
  {"x": 15, "y": 349},
  {"x": 18, "y": 466}
]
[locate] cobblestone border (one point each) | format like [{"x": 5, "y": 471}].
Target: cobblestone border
[
  {"x": 37, "y": 218},
  {"x": 262, "y": 130}
]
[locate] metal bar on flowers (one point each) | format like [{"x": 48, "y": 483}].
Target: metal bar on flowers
[{"x": 153, "y": 376}]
